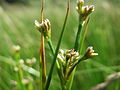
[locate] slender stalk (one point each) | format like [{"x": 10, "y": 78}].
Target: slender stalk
[
  {"x": 80, "y": 49},
  {"x": 42, "y": 10},
  {"x": 51, "y": 46},
  {"x": 42, "y": 55},
  {"x": 57, "y": 49},
  {"x": 78, "y": 37},
  {"x": 73, "y": 68},
  {"x": 76, "y": 47},
  {"x": 42, "y": 51},
  {"x": 58, "y": 66},
  {"x": 83, "y": 35},
  {"x": 20, "y": 73}
]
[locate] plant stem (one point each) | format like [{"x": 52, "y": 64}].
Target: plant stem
[
  {"x": 76, "y": 47},
  {"x": 42, "y": 10},
  {"x": 42, "y": 54},
  {"x": 58, "y": 66},
  {"x": 73, "y": 67},
  {"x": 57, "y": 49},
  {"x": 51, "y": 46},
  {"x": 83, "y": 36},
  {"x": 42, "y": 51},
  {"x": 78, "y": 37}
]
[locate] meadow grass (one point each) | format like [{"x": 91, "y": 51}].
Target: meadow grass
[{"x": 17, "y": 28}]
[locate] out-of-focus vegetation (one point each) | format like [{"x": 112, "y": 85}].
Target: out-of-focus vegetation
[
  {"x": 15, "y": 1},
  {"x": 17, "y": 28}
]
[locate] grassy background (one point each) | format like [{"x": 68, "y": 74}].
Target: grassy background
[{"x": 17, "y": 28}]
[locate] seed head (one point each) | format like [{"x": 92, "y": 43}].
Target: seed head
[
  {"x": 44, "y": 28},
  {"x": 80, "y": 4},
  {"x": 90, "y": 53},
  {"x": 68, "y": 56},
  {"x": 84, "y": 11}
]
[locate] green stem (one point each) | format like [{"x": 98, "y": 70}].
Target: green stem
[
  {"x": 58, "y": 66},
  {"x": 73, "y": 67},
  {"x": 20, "y": 73},
  {"x": 51, "y": 46},
  {"x": 57, "y": 49},
  {"x": 83, "y": 36},
  {"x": 78, "y": 37},
  {"x": 30, "y": 86},
  {"x": 76, "y": 47}
]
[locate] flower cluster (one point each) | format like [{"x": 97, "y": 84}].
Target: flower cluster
[
  {"x": 83, "y": 11},
  {"x": 44, "y": 28},
  {"x": 66, "y": 60},
  {"x": 69, "y": 59},
  {"x": 90, "y": 53}
]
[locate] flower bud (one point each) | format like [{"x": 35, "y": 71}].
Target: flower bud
[
  {"x": 84, "y": 11},
  {"x": 90, "y": 53},
  {"x": 21, "y": 61},
  {"x": 31, "y": 61},
  {"x": 16, "y": 48},
  {"x": 90, "y": 10},
  {"x": 80, "y": 4},
  {"x": 16, "y": 69}
]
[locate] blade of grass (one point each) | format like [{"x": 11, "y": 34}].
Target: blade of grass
[{"x": 57, "y": 49}]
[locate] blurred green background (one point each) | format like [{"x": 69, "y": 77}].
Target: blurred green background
[{"x": 17, "y": 28}]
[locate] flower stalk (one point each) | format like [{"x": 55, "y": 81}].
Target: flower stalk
[
  {"x": 42, "y": 55},
  {"x": 83, "y": 35},
  {"x": 43, "y": 65}
]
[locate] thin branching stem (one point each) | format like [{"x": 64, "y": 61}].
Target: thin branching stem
[{"x": 57, "y": 49}]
